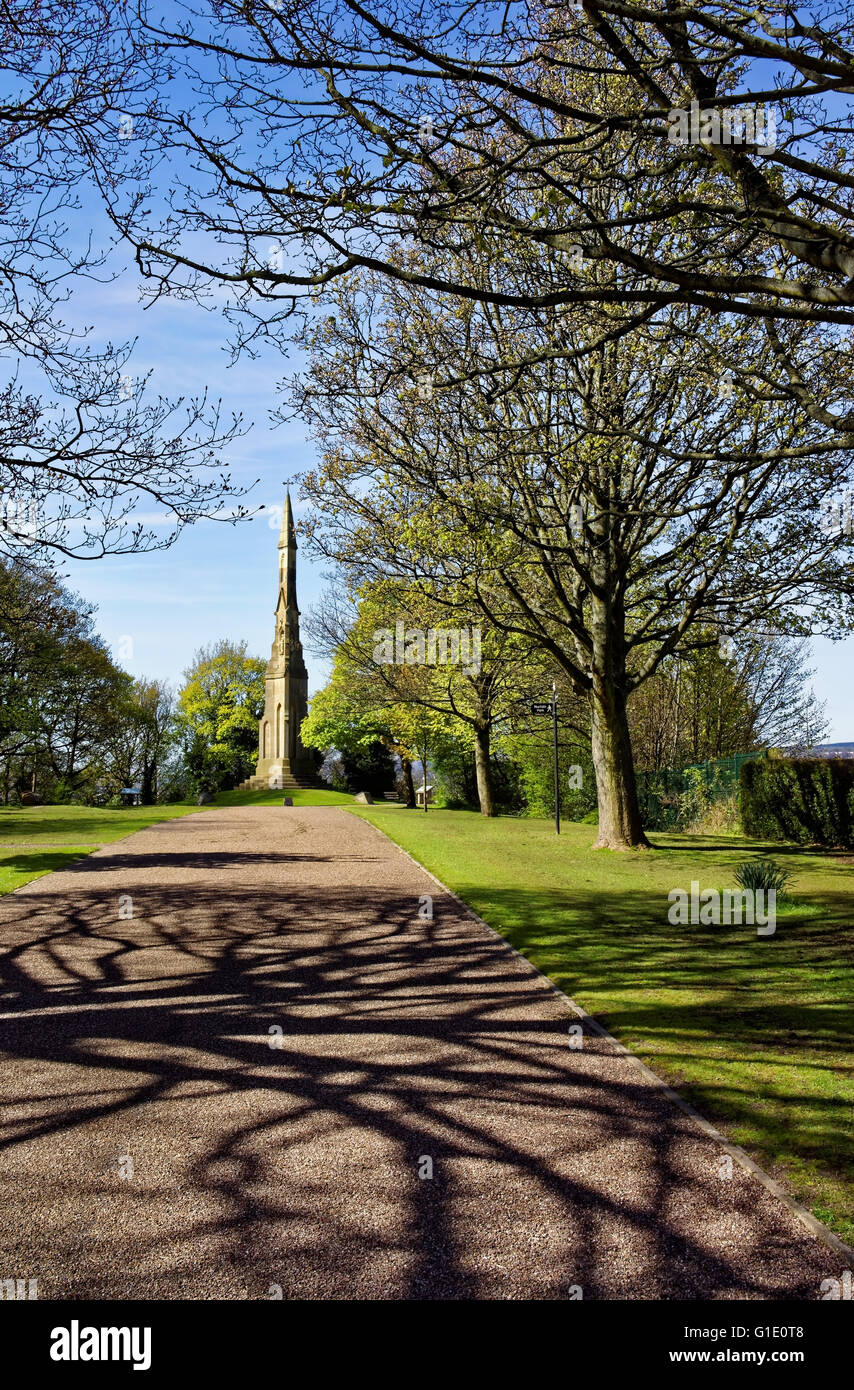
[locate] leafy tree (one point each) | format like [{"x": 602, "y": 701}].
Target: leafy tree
[
  {"x": 77, "y": 710},
  {"x": 363, "y": 737},
  {"x": 70, "y": 719},
  {"x": 35, "y": 614},
  {"x": 613, "y": 507},
  {"x": 392, "y": 123},
  {"x": 714, "y": 703},
  {"x": 400, "y": 646},
  {"x": 141, "y": 736},
  {"x": 219, "y": 707},
  {"x": 59, "y": 688},
  {"x": 357, "y": 720}
]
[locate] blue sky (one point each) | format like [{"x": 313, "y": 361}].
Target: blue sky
[{"x": 218, "y": 580}]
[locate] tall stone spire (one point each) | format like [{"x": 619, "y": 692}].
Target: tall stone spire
[
  {"x": 288, "y": 555},
  {"x": 282, "y": 760}
]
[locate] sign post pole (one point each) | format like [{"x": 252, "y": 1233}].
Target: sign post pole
[{"x": 557, "y": 778}]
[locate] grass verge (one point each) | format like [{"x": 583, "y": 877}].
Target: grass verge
[{"x": 758, "y": 1033}]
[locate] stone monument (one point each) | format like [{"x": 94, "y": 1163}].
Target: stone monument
[{"x": 282, "y": 760}]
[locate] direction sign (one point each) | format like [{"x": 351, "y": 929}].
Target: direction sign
[{"x": 541, "y": 707}]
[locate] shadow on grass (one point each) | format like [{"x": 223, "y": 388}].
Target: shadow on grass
[
  {"x": 400, "y": 1038},
  {"x": 759, "y": 1032},
  {"x": 38, "y": 862}
]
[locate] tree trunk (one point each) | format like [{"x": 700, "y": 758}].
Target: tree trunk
[
  {"x": 408, "y": 783},
  {"x": 483, "y": 769},
  {"x": 620, "y": 825}
]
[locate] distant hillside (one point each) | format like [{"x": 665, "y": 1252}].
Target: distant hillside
[{"x": 832, "y": 750}]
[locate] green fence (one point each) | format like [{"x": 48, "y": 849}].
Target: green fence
[{"x": 674, "y": 797}]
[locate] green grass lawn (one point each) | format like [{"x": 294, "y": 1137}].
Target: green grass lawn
[
  {"x": 302, "y": 796},
  {"x": 758, "y": 1033},
  {"x": 35, "y": 840}
]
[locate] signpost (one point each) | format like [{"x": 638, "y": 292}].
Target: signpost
[
  {"x": 550, "y": 707},
  {"x": 557, "y": 781}
]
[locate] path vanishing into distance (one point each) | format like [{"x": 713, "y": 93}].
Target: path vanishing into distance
[{"x": 155, "y": 1145}]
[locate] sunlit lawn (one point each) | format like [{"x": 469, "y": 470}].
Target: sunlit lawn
[
  {"x": 301, "y": 796},
  {"x": 35, "y": 840},
  {"x": 757, "y": 1032}
]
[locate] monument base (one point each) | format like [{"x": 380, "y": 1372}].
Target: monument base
[{"x": 280, "y": 775}]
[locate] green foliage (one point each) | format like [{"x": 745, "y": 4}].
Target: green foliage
[
  {"x": 336, "y": 719},
  {"x": 143, "y": 734},
  {"x": 696, "y": 798},
  {"x": 367, "y": 769},
  {"x": 456, "y": 782},
  {"x": 60, "y": 690},
  {"x": 63, "y": 793},
  {"x": 219, "y": 708},
  {"x": 456, "y": 779},
  {"x": 810, "y": 801},
  {"x": 701, "y": 707},
  {"x": 763, "y": 874},
  {"x": 534, "y": 756},
  {"x": 692, "y": 798}
]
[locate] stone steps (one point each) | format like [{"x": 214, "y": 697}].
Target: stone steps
[{"x": 287, "y": 782}]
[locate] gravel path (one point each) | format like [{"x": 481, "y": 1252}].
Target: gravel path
[{"x": 141, "y": 1045}]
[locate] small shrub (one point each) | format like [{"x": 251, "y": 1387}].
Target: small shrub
[
  {"x": 695, "y": 799},
  {"x": 720, "y": 818},
  {"x": 767, "y": 874}
]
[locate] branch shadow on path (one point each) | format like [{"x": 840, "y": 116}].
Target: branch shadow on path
[{"x": 282, "y": 1059}]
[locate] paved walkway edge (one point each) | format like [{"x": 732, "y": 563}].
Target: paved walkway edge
[{"x": 813, "y": 1225}]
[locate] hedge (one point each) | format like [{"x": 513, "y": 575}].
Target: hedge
[{"x": 809, "y": 800}]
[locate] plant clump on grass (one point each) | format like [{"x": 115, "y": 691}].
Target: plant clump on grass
[{"x": 763, "y": 874}]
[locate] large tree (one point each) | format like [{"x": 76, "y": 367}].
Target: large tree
[
  {"x": 403, "y": 650},
  {"x": 219, "y": 706},
  {"x": 615, "y": 506},
  {"x": 141, "y": 735},
  {"x": 37, "y": 618},
  {"x": 333, "y": 131},
  {"x": 77, "y": 710}
]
